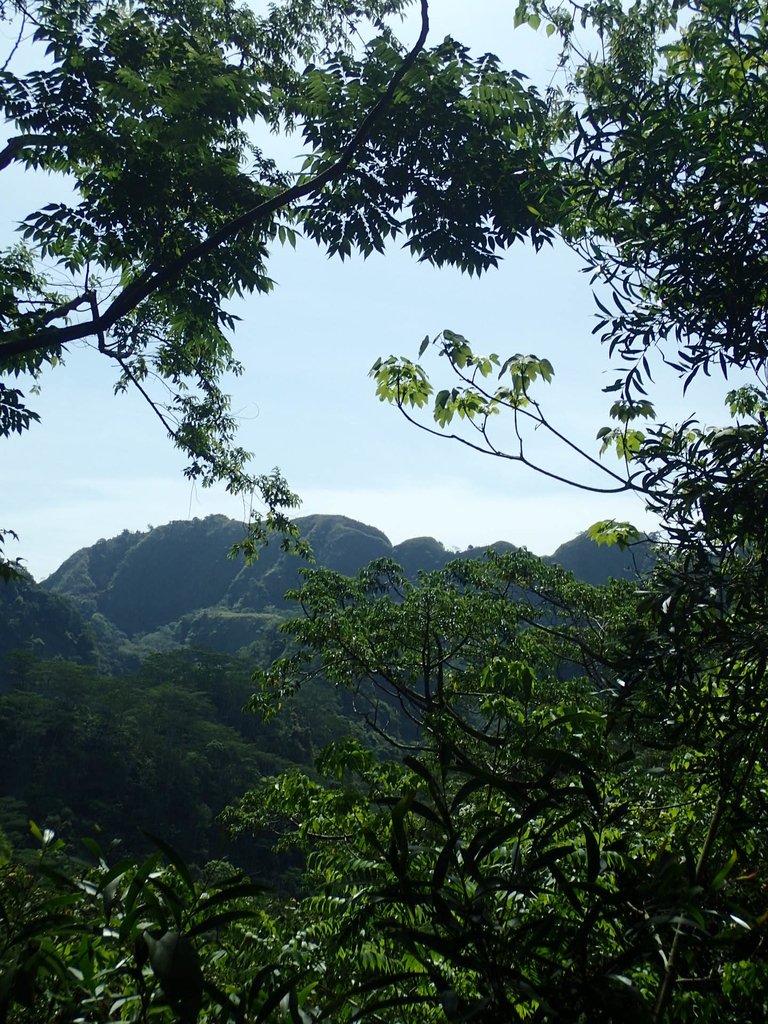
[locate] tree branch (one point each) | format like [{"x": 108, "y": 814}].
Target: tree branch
[
  {"x": 21, "y": 142},
  {"x": 624, "y": 487},
  {"x": 154, "y": 278},
  {"x": 67, "y": 307},
  {"x": 17, "y": 44}
]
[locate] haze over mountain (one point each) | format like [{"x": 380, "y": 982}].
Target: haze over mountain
[{"x": 174, "y": 585}]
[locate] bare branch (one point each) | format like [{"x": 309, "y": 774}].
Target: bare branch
[
  {"x": 17, "y": 44},
  {"x": 540, "y": 420},
  {"x": 488, "y": 449}
]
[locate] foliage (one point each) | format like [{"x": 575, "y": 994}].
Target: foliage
[
  {"x": 661, "y": 194},
  {"x": 476, "y": 175},
  {"x": 170, "y": 586},
  {"x": 635, "y": 891},
  {"x": 425, "y": 873},
  {"x": 671, "y": 149},
  {"x": 132, "y": 941},
  {"x": 557, "y": 833},
  {"x": 407, "y": 638},
  {"x": 163, "y": 749},
  {"x": 41, "y": 623},
  {"x": 574, "y": 825},
  {"x": 149, "y": 114},
  {"x": 9, "y": 569}
]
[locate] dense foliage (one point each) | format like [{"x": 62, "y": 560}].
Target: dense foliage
[
  {"x": 149, "y": 113},
  {"x": 578, "y": 830},
  {"x": 574, "y": 826},
  {"x": 162, "y": 750}
]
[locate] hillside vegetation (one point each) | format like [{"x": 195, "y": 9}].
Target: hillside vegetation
[
  {"x": 543, "y": 801},
  {"x": 127, "y": 671},
  {"x": 173, "y": 585}
]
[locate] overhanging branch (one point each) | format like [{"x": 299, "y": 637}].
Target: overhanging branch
[
  {"x": 19, "y": 143},
  {"x": 14, "y": 343}
]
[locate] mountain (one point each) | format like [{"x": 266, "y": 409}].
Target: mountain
[
  {"x": 173, "y": 586},
  {"x": 141, "y": 582},
  {"x": 122, "y": 705},
  {"x": 595, "y": 563},
  {"x": 43, "y": 624}
]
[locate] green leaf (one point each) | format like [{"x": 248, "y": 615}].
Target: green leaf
[
  {"x": 175, "y": 860},
  {"x": 176, "y": 965},
  {"x": 720, "y": 878},
  {"x": 611, "y": 531},
  {"x": 593, "y": 854}
]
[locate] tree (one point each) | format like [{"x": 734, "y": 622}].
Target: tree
[
  {"x": 575, "y": 831},
  {"x": 576, "y": 828},
  {"x": 149, "y": 114},
  {"x": 662, "y": 195},
  {"x": 635, "y": 892},
  {"x": 665, "y": 203},
  {"x": 435, "y": 880}
]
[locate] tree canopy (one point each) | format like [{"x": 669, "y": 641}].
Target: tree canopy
[
  {"x": 574, "y": 825},
  {"x": 156, "y": 119},
  {"x": 661, "y": 192}
]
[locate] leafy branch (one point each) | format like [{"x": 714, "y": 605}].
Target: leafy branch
[
  {"x": 406, "y": 385},
  {"x": 154, "y": 278}
]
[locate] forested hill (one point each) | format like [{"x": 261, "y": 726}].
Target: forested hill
[
  {"x": 142, "y": 581},
  {"x": 112, "y": 713},
  {"x": 42, "y": 624},
  {"x": 174, "y": 585}
]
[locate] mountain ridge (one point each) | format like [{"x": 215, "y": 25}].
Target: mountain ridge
[{"x": 172, "y": 586}]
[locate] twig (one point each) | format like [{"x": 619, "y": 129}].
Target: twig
[{"x": 16, "y": 45}]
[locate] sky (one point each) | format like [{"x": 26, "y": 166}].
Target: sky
[{"x": 98, "y": 463}]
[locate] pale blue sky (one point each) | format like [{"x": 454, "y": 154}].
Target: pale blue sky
[{"x": 98, "y": 464}]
